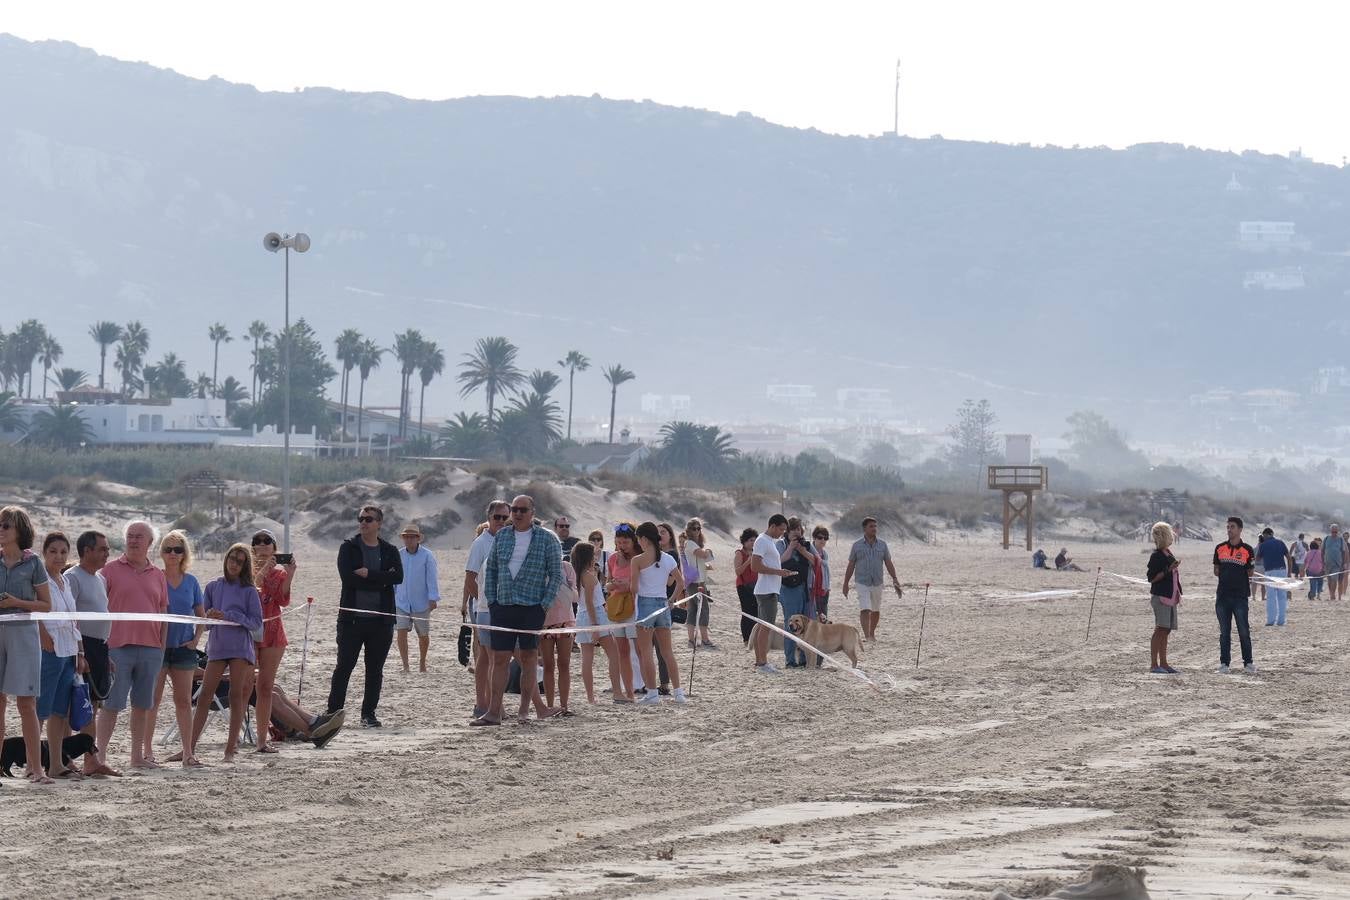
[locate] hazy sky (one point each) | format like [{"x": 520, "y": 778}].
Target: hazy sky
[{"x": 1229, "y": 75}]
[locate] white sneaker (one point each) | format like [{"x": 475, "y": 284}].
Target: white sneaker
[
  {"x": 678, "y": 696},
  {"x": 651, "y": 698},
  {"x": 1222, "y": 669},
  {"x": 1250, "y": 668},
  {"x": 766, "y": 669}
]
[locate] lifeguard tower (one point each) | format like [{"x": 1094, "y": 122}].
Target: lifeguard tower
[{"x": 1018, "y": 478}]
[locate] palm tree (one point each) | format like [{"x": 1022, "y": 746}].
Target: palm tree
[
  {"x": 407, "y": 350},
  {"x": 9, "y": 369},
  {"x": 573, "y": 362},
  {"x": 135, "y": 343},
  {"x": 105, "y": 334},
  {"x": 530, "y": 426},
  {"x": 69, "y": 379},
  {"x": 615, "y": 375},
  {"x": 218, "y": 334},
  {"x": 26, "y": 344},
  {"x": 543, "y": 382},
  {"x": 232, "y": 392},
  {"x": 259, "y": 332},
  {"x": 204, "y": 385},
  {"x": 60, "y": 426},
  {"x": 697, "y": 449},
  {"x": 429, "y": 365},
  {"x": 466, "y": 436},
  {"x": 491, "y": 366},
  {"x": 10, "y": 420},
  {"x": 348, "y": 352},
  {"x": 168, "y": 379},
  {"x": 366, "y": 362},
  {"x": 49, "y": 355}
]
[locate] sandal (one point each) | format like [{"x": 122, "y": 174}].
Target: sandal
[
  {"x": 481, "y": 722},
  {"x": 40, "y": 779},
  {"x": 267, "y": 748}
]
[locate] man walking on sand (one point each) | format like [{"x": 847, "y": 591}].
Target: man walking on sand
[
  {"x": 473, "y": 605},
  {"x": 1275, "y": 558},
  {"x": 866, "y": 560},
  {"x": 135, "y": 649},
  {"x": 1233, "y": 564},
  {"x": 369, "y": 567},
  {"x": 1333, "y": 562},
  {"x": 767, "y": 562},
  {"x": 416, "y": 596},
  {"x": 524, "y": 572}
]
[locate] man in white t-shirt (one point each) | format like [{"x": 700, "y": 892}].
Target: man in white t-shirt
[
  {"x": 498, "y": 514},
  {"x": 766, "y": 561}
]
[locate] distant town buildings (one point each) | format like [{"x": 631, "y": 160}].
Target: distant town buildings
[
  {"x": 1288, "y": 278},
  {"x": 1263, "y": 235}
]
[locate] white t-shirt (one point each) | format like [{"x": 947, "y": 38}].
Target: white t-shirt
[
  {"x": 65, "y": 636},
  {"x": 523, "y": 539},
  {"x": 479, "y": 551},
  {"x": 766, "y": 548},
  {"x": 652, "y": 580}
]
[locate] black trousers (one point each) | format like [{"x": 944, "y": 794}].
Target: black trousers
[
  {"x": 746, "y": 594},
  {"x": 374, "y": 636}
]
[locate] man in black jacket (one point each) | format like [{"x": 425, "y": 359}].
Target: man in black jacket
[{"x": 369, "y": 568}]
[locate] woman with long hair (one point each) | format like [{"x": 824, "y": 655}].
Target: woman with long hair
[
  {"x": 670, "y": 545},
  {"x": 591, "y": 613},
  {"x": 620, "y": 578},
  {"x": 234, "y": 600},
  {"x": 1164, "y": 588},
  {"x": 180, "y": 651},
  {"x": 23, "y": 588},
  {"x": 695, "y": 559},
  {"x": 652, "y": 570},
  {"x": 745, "y": 581},
  {"x": 555, "y": 649},
  {"x": 62, "y": 655},
  {"x": 798, "y": 558},
  {"x": 274, "y": 590}
]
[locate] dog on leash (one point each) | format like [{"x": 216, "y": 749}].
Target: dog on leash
[
  {"x": 827, "y": 636},
  {"x": 775, "y": 639},
  {"x": 14, "y": 752}
]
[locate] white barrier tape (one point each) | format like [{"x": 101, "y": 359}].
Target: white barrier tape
[
  {"x": 569, "y": 629},
  {"x": 1036, "y": 595},
  {"x": 112, "y": 617},
  {"x": 1130, "y": 578},
  {"x": 855, "y": 671},
  {"x": 1282, "y": 584}
]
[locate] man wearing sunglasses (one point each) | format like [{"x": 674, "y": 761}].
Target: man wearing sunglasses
[
  {"x": 498, "y": 514},
  {"x": 523, "y": 574},
  {"x": 369, "y": 567}
]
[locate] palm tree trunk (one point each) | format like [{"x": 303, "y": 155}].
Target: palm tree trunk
[
  {"x": 215, "y": 370},
  {"x": 346, "y": 377},
  {"x": 421, "y": 408},
  {"x": 102, "y": 363},
  {"x": 571, "y": 379},
  {"x": 45, "y": 369},
  {"x": 613, "y": 399},
  {"x": 360, "y": 413}
]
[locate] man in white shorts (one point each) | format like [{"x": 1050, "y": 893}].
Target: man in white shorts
[
  {"x": 867, "y": 559},
  {"x": 416, "y": 596},
  {"x": 498, "y": 514}
]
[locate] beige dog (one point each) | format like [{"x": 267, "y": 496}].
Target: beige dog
[
  {"x": 826, "y": 636},
  {"x": 775, "y": 639}
]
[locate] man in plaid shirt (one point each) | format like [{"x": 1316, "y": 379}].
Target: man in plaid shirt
[{"x": 522, "y": 576}]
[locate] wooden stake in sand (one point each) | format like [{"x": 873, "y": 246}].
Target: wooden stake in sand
[
  {"x": 1092, "y": 604},
  {"x": 304, "y": 650},
  {"x": 922, "y": 617}
]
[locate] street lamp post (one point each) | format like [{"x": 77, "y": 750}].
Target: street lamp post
[{"x": 299, "y": 242}]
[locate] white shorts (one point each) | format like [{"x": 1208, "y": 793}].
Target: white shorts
[
  {"x": 869, "y": 597},
  {"x": 419, "y": 622}
]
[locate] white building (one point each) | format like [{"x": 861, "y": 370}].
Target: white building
[
  {"x": 665, "y": 405},
  {"x": 794, "y": 395},
  {"x": 182, "y": 420},
  {"x": 1262, "y": 234},
  {"x": 1289, "y": 278},
  {"x": 867, "y": 401}
]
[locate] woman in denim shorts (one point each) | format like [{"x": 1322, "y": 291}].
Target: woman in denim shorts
[
  {"x": 653, "y": 569},
  {"x": 23, "y": 588},
  {"x": 180, "y": 651}
]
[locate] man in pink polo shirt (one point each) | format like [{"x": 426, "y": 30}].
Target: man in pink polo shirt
[{"x": 135, "y": 649}]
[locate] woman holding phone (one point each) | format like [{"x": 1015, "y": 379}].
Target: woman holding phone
[
  {"x": 274, "y": 576},
  {"x": 1164, "y": 588}
]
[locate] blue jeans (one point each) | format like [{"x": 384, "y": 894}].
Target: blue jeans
[
  {"x": 793, "y": 602},
  {"x": 1277, "y": 599},
  {"x": 1314, "y": 586},
  {"x": 1230, "y": 609}
]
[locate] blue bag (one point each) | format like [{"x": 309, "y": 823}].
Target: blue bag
[{"x": 81, "y": 706}]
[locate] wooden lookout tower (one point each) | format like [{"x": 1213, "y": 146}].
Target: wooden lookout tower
[{"x": 1019, "y": 481}]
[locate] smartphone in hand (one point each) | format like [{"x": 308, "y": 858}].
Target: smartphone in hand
[{"x": 284, "y": 559}]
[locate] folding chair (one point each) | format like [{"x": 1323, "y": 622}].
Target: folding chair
[{"x": 219, "y": 710}]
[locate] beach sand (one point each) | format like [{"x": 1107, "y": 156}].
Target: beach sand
[{"x": 1016, "y": 754}]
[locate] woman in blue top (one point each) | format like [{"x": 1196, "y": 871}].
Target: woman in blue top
[
  {"x": 23, "y": 588},
  {"x": 233, "y": 600},
  {"x": 180, "y": 650}
]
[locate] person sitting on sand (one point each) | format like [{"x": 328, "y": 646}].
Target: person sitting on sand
[
  {"x": 1065, "y": 563},
  {"x": 1039, "y": 559},
  {"x": 1164, "y": 587}
]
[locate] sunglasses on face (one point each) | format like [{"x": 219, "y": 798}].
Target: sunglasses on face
[
  {"x": 564, "y": 527},
  {"x": 365, "y": 520},
  {"x": 697, "y": 528},
  {"x": 179, "y": 551},
  {"x": 264, "y": 540},
  {"x": 597, "y": 540},
  {"x": 624, "y": 530},
  {"x": 521, "y": 510},
  {"x": 500, "y": 518}
]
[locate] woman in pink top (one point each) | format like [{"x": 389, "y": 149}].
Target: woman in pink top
[
  {"x": 619, "y": 579},
  {"x": 555, "y": 651},
  {"x": 274, "y": 589}
]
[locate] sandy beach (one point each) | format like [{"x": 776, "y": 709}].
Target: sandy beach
[{"x": 1016, "y": 754}]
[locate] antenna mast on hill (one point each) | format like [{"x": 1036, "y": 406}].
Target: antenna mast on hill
[{"x": 897, "y": 98}]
